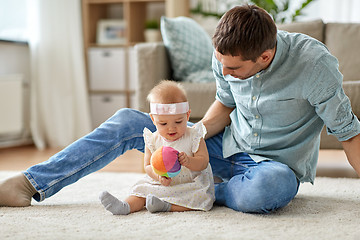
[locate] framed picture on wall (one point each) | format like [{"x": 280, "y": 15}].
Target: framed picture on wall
[{"x": 110, "y": 32}]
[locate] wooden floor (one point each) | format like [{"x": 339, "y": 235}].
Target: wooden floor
[
  {"x": 332, "y": 163},
  {"x": 20, "y": 158}
]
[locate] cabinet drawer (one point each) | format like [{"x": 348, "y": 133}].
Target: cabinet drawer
[
  {"x": 107, "y": 68},
  {"x": 104, "y": 106}
]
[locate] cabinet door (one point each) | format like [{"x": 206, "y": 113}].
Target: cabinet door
[
  {"x": 107, "y": 69},
  {"x": 104, "y": 106}
]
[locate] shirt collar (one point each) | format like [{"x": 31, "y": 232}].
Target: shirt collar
[{"x": 279, "y": 55}]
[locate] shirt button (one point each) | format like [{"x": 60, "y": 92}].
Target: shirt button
[
  {"x": 254, "y": 98},
  {"x": 257, "y": 116},
  {"x": 255, "y": 134},
  {"x": 257, "y": 75}
]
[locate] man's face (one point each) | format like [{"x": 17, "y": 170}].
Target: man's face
[{"x": 236, "y": 67}]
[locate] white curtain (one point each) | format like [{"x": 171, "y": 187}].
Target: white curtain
[{"x": 59, "y": 100}]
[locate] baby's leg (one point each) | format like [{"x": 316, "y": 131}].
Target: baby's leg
[
  {"x": 154, "y": 204},
  {"x": 176, "y": 208},
  {"x": 118, "y": 207},
  {"x": 136, "y": 203}
]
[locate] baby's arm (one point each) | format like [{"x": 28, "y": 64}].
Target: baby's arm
[
  {"x": 149, "y": 171},
  {"x": 199, "y": 161}
]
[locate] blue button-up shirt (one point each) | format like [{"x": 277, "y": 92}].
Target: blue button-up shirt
[{"x": 280, "y": 111}]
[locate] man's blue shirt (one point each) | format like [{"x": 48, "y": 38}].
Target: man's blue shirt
[{"x": 280, "y": 111}]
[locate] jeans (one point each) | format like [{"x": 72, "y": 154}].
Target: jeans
[{"x": 248, "y": 186}]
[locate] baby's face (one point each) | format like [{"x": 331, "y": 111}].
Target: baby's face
[{"x": 171, "y": 127}]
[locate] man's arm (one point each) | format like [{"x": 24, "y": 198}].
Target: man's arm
[
  {"x": 352, "y": 150},
  {"x": 217, "y": 118}
]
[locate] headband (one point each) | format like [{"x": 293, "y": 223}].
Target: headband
[{"x": 169, "y": 109}]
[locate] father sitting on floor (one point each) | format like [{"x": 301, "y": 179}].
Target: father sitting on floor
[{"x": 275, "y": 91}]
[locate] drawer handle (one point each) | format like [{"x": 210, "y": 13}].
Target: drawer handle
[
  {"x": 106, "y": 99},
  {"x": 106, "y": 54}
]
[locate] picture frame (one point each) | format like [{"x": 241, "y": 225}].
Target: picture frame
[{"x": 111, "y": 32}]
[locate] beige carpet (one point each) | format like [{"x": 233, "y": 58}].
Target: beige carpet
[{"x": 328, "y": 210}]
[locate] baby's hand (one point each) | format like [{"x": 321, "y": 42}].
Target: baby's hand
[
  {"x": 184, "y": 159},
  {"x": 164, "y": 180}
]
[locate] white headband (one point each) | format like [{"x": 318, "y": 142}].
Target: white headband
[{"x": 169, "y": 109}]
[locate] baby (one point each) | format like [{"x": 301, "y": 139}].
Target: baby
[{"x": 193, "y": 187}]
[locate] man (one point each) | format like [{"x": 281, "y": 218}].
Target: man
[
  {"x": 275, "y": 91},
  {"x": 278, "y": 89}
]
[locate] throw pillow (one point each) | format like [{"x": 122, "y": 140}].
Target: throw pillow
[
  {"x": 201, "y": 76},
  {"x": 189, "y": 46}
]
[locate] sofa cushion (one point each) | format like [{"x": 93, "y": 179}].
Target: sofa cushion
[
  {"x": 352, "y": 90},
  {"x": 342, "y": 39},
  {"x": 190, "y": 49},
  {"x": 200, "y": 97},
  {"x": 314, "y": 28}
]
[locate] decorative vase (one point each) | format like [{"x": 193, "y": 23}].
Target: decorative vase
[{"x": 152, "y": 35}]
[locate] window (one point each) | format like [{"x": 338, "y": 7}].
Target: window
[{"x": 13, "y": 20}]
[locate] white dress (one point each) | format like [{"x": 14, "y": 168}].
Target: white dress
[{"x": 191, "y": 189}]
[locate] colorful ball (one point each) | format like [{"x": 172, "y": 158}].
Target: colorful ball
[{"x": 164, "y": 162}]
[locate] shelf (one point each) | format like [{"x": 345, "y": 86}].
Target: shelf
[
  {"x": 110, "y": 87},
  {"x": 133, "y": 13},
  {"x": 121, "y": 1}
]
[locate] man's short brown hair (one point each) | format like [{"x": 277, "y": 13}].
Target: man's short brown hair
[{"x": 245, "y": 31}]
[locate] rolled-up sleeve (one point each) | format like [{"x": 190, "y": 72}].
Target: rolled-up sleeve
[{"x": 331, "y": 103}]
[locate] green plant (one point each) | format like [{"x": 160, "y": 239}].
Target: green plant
[
  {"x": 152, "y": 24},
  {"x": 279, "y": 9}
]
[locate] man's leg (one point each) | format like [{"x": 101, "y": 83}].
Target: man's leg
[
  {"x": 249, "y": 186},
  {"x": 122, "y": 132},
  {"x": 261, "y": 189}
]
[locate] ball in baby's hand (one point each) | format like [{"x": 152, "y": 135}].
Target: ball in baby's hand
[{"x": 164, "y": 162}]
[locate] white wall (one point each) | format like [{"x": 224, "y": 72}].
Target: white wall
[{"x": 332, "y": 10}]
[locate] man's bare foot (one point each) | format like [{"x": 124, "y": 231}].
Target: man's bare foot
[{"x": 16, "y": 191}]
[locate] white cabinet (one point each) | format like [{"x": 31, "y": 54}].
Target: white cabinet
[
  {"x": 104, "y": 106},
  {"x": 112, "y": 85},
  {"x": 110, "y": 70},
  {"x": 107, "y": 69}
]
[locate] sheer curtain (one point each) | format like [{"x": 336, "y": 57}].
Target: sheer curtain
[{"x": 59, "y": 101}]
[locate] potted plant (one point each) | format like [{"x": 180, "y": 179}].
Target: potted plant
[
  {"x": 279, "y": 9},
  {"x": 152, "y": 31}
]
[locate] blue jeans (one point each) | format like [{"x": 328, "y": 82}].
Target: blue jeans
[{"x": 248, "y": 187}]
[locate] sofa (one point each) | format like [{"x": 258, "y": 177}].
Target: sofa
[{"x": 154, "y": 63}]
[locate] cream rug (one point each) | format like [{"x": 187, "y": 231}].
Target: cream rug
[{"x": 328, "y": 210}]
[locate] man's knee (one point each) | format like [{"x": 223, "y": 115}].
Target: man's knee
[
  {"x": 262, "y": 191},
  {"x": 127, "y": 113},
  {"x": 130, "y": 119}
]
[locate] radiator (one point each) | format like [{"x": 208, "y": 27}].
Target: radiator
[{"x": 11, "y": 105}]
